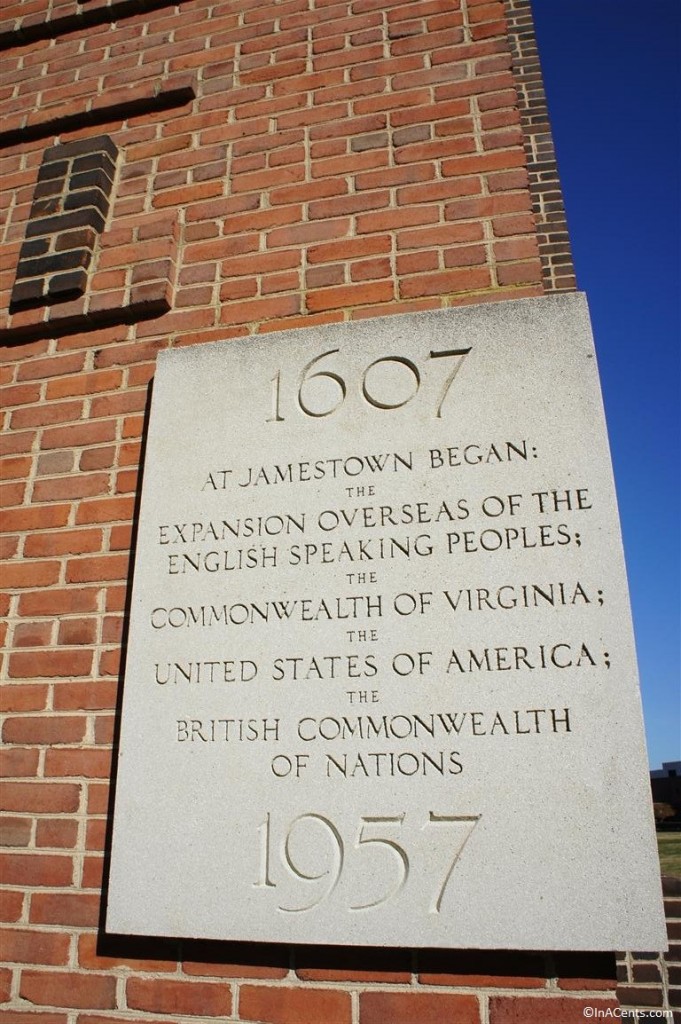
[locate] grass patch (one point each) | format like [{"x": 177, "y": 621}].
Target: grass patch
[{"x": 669, "y": 848}]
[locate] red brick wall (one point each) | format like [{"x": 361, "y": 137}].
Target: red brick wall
[{"x": 279, "y": 165}]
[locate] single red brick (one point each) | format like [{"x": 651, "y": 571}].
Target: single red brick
[
  {"x": 55, "y": 602},
  {"x": 93, "y": 872},
  {"x": 516, "y": 249},
  {"x": 11, "y": 905},
  {"x": 34, "y": 947},
  {"x": 36, "y": 869},
  {"x": 44, "y": 730},
  {"x": 40, "y": 797},
  {"x": 12, "y": 494},
  {"x": 8, "y": 547},
  {"x": 20, "y": 394},
  {"x": 301, "y": 234},
  {"x": 63, "y": 988},
  {"x": 43, "y": 414},
  {"x": 424, "y": 1007},
  {"x": 418, "y": 262},
  {"x": 5, "y": 984},
  {"x": 105, "y": 510},
  {"x": 95, "y": 835},
  {"x": 544, "y": 1010},
  {"x": 443, "y": 235},
  {"x": 51, "y": 463},
  {"x": 445, "y": 282},
  {"x": 183, "y": 997},
  {"x": 62, "y": 542},
  {"x": 351, "y": 248},
  {"x": 260, "y": 309},
  {"x": 112, "y": 629},
  {"x": 114, "y": 405},
  {"x": 53, "y": 366},
  {"x": 325, "y": 276},
  {"x": 640, "y": 995},
  {"x": 287, "y": 282},
  {"x": 90, "y": 696},
  {"x": 506, "y": 180},
  {"x": 82, "y": 485},
  {"x": 465, "y": 256},
  {"x": 126, "y": 481},
  {"x": 76, "y": 632},
  {"x": 274, "y": 1004},
  {"x": 102, "y": 567},
  {"x": 527, "y": 272},
  {"x": 17, "y": 467},
  {"x": 518, "y": 225},
  {"x": 92, "y": 764},
  {"x": 32, "y": 634},
  {"x": 129, "y": 452},
  {"x": 47, "y": 664},
  {"x": 18, "y": 762},
  {"x": 389, "y": 220},
  {"x": 57, "y": 833},
  {"x": 359, "y": 202},
  {"x": 405, "y": 174},
  {"x": 97, "y": 458},
  {"x": 243, "y": 288},
  {"x": 12, "y": 443},
  {"x": 350, "y": 295},
  {"x": 121, "y": 355},
  {"x": 479, "y": 164},
  {"x": 35, "y": 518},
  {"x": 15, "y": 831},
  {"x": 120, "y": 538},
  {"x": 17, "y": 576},
  {"x": 98, "y": 792},
  {"x": 79, "y": 434},
  {"x": 261, "y": 263},
  {"x": 370, "y": 270},
  {"x": 110, "y": 662},
  {"x": 79, "y": 909},
  {"x": 85, "y": 383}
]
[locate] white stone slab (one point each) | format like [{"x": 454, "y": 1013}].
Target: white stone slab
[{"x": 381, "y": 683}]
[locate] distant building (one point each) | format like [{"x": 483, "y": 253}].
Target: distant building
[{"x": 666, "y": 785}]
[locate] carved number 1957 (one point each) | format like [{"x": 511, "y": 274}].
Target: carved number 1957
[
  {"x": 374, "y": 830},
  {"x": 369, "y": 385}
]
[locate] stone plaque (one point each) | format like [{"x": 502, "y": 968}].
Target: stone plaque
[{"x": 381, "y": 683}]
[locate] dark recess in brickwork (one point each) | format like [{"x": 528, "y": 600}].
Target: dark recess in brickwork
[
  {"x": 69, "y": 209},
  {"x": 545, "y": 190},
  {"x": 31, "y": 28},
  {"x": 97, "y": 111}
]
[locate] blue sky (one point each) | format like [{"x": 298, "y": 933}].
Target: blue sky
[{"x": 611, "y": 72}]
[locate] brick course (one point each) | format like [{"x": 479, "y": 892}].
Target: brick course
[{"x": 277, "y": 166}]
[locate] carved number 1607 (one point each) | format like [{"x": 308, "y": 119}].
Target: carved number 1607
[
  {"x": 380, "y": 397},
  {"x": 322, "y": 871}
]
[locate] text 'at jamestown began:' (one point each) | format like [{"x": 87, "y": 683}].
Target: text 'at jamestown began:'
[{"x": 354, "y": 466}]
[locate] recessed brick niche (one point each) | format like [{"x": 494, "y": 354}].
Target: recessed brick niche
[{"x": 69, "y": 210}]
